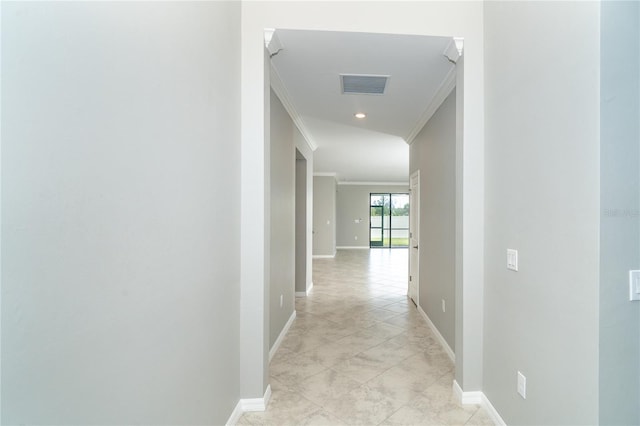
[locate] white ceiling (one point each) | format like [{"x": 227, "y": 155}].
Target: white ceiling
[{"x": 373, "y": 149}]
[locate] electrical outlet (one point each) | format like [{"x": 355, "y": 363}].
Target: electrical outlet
[
  {"x": 443, "y": 306},
  {"x": 281, "y": 300},
  {"x": 522, "y": 385}
]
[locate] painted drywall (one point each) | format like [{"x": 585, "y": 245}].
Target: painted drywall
[
  {"x": 120, "y": 212},
  {"x": 353, "y": 204},
  {"x": 433, "y": 152},
  {"x": 304, "y": 238},
  {"x": 463, "y": 19},
  {"x": 542, "y": 198},
  {"x": 324, "y": 216},
  {"x": 620, "y": 214},
  {"x": 283, "y": 219},
  {"x": 301, "y": 224}
]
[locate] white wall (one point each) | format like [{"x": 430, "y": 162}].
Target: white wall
[
  {"x": 120, "y": 212},
  {"x": 542, "y": 198},
  {"x": 464, "y": 19},
  {"x": 620, "y": 214},
  {"x": 324, "y": 216},
  {"x": 353, "y": 202},
  {"x": 433, "y": 152},
  {"x": 282, "y": 241}
]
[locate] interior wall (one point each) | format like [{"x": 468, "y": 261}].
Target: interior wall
[
  {"x": 542, "y": 109},
  {"x": 120, "y": 212},
  {"x": 433, "y": 152},
  {"x": 352, "y": 204},
  {"x": 307, "y": 153},
  {"x": 283, "y": 218},
  {"x": 620, "y": 214},
  {"x": 324, "y": 216},
  {"x": 301, "y": 224}
]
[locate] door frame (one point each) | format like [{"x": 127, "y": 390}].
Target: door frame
[{"x": 414, "y": 222}]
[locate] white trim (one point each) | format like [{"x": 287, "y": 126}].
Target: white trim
[
  {"x": 305, "y": 293},
  {"x": 479, "y": 398},
  {"x": 281, "y": 91},
  {"x": 332, "y": 174},
  {"x": 256, "y": 404},
  {"x": 443, "y": 91},
  {"x": 235, "y": 415},
  {"x": 466, "y": 397},
  {"x": 433, "y": 328},
  {"x": 492, "y": 412},
  {"x": 352, "y": 247},
  {"x": 283, "y": 333},
  {"x": 453, "y": 51},
  {"x": 343, "y": 182},
  {"x": 324, "y": 256},
  {"x": 249, "y": 404}
]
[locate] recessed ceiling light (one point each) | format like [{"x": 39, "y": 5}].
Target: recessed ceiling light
[{"x": 359, "y": 115}]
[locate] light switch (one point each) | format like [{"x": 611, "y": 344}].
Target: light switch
[
  {"x": 522, "y": 385},
  {"x": 634, "y": 285},
  {"x": 512, "y": 259}
]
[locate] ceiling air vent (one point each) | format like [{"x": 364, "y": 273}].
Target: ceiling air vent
[{"x": 363, "y": 84}]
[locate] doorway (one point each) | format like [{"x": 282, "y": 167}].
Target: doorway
[
  {"x": 414, "y": 237},
  {"x": 388, "y": 220}
]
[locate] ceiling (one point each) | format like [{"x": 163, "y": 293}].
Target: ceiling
[{"x": 306, "y": 73}]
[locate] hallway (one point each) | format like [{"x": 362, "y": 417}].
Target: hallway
[{"x": 360, "y": 353}]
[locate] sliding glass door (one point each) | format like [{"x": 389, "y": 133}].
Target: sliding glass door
[{"x": 389, "y": 220}]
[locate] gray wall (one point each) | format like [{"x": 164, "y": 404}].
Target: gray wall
[
  {"x": 620, "y": 204},
  {"x": 282, "y": 244},
  {"x": 353, "y": 203},
  {"x": 433, "y": 152},
  {"x": 542, "y": 178},
  {"x": 120, "y": 212},
  {"x": 301, "y": 223},
  {"x": 324, "y": 216},
  {"x": 304, "y": 199}
]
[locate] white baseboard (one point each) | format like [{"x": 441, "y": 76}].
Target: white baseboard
[
  {"x": 249, "y": 404},
  {"x": 353, "y": 247},
  {"x": 256, "y": 404},
  {"x": 492, "y": 412},
  {"x": 466, "y": 397},
  {"x": 441, "y": 339},
  {"x": 305, "y": 293},
  {"x": 235, "y": 415},
  {"x": 478, "y": 398},
  {"x": 324, "y": 256},
  {"x": 283, "y": 333}
]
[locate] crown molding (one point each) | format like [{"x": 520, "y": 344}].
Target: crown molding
[
  {"x": 287, "y": 102},
  {"x": 443, "y": 91}
]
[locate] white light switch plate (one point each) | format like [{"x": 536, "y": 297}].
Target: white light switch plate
[
  {"x": 512, "y": 259},
  {"x": 634, "y": 285},
  {"x": 522, "y": 385}
]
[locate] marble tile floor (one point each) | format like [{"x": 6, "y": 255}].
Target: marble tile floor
[{"x": 359, "y": 353}]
